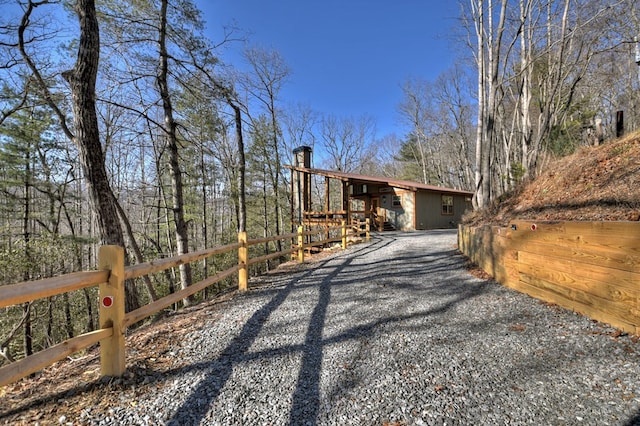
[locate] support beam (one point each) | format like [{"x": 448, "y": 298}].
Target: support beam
[{"x": 346, "y": 205}]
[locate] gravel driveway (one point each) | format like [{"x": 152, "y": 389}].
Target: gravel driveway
[{"x": 394, "y": 332}]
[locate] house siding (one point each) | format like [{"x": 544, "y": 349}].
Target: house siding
[
  {"x": 401, "y": 217},
  {"x": 403, "y": 214},
  {"x": 429, "y": 210}
]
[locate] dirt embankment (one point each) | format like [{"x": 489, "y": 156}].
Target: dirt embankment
[{"x": 594, "y": 184}]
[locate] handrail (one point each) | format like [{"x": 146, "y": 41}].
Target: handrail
[
  {"x": 269, "y": 239},
  {"x": 110, "y": 280},
  {"x": 27, "y": 291},
  {"x": 146, "y": 311},
  {"x": 170, "y": 262},
  {"x": 270, "y": 256},
  {"x": 31, "y": 364},
  {"x": 326, "y": 213}
]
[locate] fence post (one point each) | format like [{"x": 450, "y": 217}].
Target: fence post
[
  {"x": 301, "y": 244},
  {"x": 344, "y": 235},
  {"x": 111, "y": 309},
  {"x": 243, "y": 259},
  {"x": 367, "y": 228}
]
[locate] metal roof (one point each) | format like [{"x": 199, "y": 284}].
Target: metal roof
[{"x": 396, "y": 183}]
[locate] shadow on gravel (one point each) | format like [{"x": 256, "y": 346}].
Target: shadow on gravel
[
  {"x": 634, "y": 421},
  {"x": 195, "y": 408},
  {"x": 306, "y": 397}
]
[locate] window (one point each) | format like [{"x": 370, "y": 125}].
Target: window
[
  {"x": 447, "y": 204},
  {"x": 396, "y": 201},
  {"x": 358, "y": 189}
]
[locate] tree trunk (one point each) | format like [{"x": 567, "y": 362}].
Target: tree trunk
[
  {"x": 555, "y": 80},
  {"x": 265, "y": 213},
  {"x": 489, "y": 84},
  {"x": 205, "y": 219},
  {"x": 182, "y": 235},
  {"x": 275, "y": 173},
  {"x": 26, "y": 234},
  {"x": 87, "y": 301},
  {"x": 242, "y": 205},
  {"x": 68, "y": 320},
  {"x": 478, "y": 198},
  {"x": 28, "y": 340},
  {"x": 526, "y": 44},
  {"x": 82, "y": 79}
]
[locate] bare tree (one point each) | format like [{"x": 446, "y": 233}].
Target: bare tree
[
  {"x": 531, "y": 57},
  {"x": 438, "y": 148},
  {"x": 299, "y": 123},
  {"x": 269, "y": 73},
  {"x": 345, "y": 141},
  {"x": 417, "y": 111},
  {"x": 454, "y": 123},
  {"x": 490, "y": 49}
]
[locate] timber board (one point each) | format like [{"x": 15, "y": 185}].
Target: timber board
[
  {"x": 541, "y": 227},
  {"x": 617, "y": 229},
  {"x": 570, "y": 282},
  {"x": 627, "y": 242},
  {"x": 602, "y": 256},
  {"x": 611, "y": 229},
  {"x": 600, "y": 309},
  {"x": 624, "y": 279}
]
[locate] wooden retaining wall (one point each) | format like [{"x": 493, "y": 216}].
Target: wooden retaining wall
[{"x": 589, "y": 267}]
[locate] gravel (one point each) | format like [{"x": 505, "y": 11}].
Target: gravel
[{"x": 391, "y": 332}]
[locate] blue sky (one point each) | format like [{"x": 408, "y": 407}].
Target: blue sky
[{"x": 348, "y": 57}]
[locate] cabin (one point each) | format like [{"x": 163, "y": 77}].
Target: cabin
[{"x": 389, "y": 204}]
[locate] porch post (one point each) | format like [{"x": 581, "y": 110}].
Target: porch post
[
  {"x": 344, "y": 235},
  {"x": 368, "y": 230},
  {"x": 345, "y": 200}
]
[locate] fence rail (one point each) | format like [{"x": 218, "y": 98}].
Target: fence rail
[
  {"x": 27, "y": 291},
  {"x": 110, "y": 281},
  {"x": 589, "y": 267}
]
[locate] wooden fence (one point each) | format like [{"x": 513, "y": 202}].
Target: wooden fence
[
  {"x": 592, "y": 268},
  {"x": 110, "y": 280}
]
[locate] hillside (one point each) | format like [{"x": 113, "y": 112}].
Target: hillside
[{"x": 594, "y": 184}]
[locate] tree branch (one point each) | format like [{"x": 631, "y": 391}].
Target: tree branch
[{"x": 24, "y": 23}]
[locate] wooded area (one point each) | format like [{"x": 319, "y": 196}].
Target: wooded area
[
  {"x": 551, "y": 76},
  {"x": 122, "y": 124}
]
